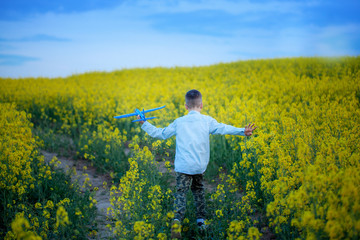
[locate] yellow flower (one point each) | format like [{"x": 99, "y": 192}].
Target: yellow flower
[
  {"x": 49, "y": 204},
  {"x": 219, "y": 213},
  {"x": 20, "y": 225},
  {"x": 167, "y": 164},
  {"x": 253, "y": 233},
  {"x": 21, "y": 229},
  {"x": 170, "y": 215},
  {"x": 162, "y": 236},
  {"x": 143, "y": 229},
  {"x": 62, "y": 217},
  {"x": 78, "y": 212},
  {"x": 38, "y": 205},
  {"x": 46, "y": 214}
]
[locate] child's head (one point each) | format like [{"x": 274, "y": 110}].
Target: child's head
[{"x": 193, "y": 100}]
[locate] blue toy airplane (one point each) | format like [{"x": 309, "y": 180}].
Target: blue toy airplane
[{"x": 140, "y": 113}]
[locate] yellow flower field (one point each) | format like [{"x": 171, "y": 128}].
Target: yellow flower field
[
  {"x": 298, "y": 176},
  {"x": 34, "y": 199}
]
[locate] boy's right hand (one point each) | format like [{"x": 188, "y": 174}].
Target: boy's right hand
[{"x": 138, "y": 117}]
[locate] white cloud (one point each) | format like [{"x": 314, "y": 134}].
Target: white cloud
[{"x": 233, "y": 7}]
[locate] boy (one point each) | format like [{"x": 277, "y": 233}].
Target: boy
[{"x": 192, "y": 154}]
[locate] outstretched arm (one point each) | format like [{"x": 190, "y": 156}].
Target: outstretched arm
[
  {"x": 223, "y": 129},
  {"x": 249, "y": 129},
  {"x": 160, "y": 133}
]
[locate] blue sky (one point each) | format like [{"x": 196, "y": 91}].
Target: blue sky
[{"x": 59, "y": 38}]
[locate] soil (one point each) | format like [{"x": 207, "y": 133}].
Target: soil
[{"x": 102, "y": 195}]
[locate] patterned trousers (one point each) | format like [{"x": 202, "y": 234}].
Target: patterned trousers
[{"x": 183, "y": 183}]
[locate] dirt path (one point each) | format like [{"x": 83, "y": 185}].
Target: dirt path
[{"x": 102, "y": 195}]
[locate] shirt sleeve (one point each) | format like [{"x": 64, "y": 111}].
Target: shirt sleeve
[
  {"x": 224, "y": 129},
  {"x": 161, "y": 133}
]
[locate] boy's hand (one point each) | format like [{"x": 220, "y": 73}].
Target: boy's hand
[
  {"x": 249, "y": 129},
  {"x": 138, "y": 117}
]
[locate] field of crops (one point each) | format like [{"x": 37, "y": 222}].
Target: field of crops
[{"x": 298, "y": 176}]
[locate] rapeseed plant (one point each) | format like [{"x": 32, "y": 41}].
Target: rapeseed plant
[
  {"x": 31, "y": 189},
  {"x": 300, "y": 169}
]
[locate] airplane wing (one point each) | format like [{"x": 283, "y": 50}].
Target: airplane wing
[{"x": 154, "y": 109}]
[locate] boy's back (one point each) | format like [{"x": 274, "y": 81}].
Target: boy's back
[
  {"x": 192, "y": 143},
  {"x": 192, "y": 139}
]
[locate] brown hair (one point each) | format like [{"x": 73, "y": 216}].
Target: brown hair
[{"x": 193, "y": 98}]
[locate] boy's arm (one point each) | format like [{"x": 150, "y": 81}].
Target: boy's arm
[
  {"x": 224, "y": 129},
  {"x": 161, "y": 133}
]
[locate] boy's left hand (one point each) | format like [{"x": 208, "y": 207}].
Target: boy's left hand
[{"x": 249, "y": 129}]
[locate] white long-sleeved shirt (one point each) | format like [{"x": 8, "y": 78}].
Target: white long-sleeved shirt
[{"x": 192, "y": 139}]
